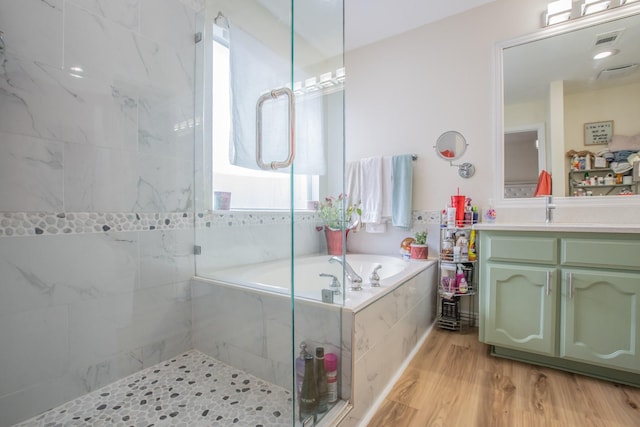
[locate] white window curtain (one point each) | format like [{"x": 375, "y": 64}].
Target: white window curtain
[{"x": 256, "y": 69}]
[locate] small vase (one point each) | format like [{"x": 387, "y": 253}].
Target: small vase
[
  {"x": 334, "y": 240},
  {"x": 419, "y": 251}
]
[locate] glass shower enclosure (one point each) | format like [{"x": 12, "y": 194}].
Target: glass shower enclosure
[{"x": 270, "y": 105}]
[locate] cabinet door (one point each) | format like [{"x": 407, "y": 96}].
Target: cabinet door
[
  {"x": 600, "y": 321},
  {"x": 521, "y": 307}
]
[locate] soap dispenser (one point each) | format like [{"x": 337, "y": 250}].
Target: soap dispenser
[{"x": 461, "y": 281}]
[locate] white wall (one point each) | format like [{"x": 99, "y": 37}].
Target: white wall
[
  {"x": 619, "y": 104},
  {"x": 403, "y": 92}
]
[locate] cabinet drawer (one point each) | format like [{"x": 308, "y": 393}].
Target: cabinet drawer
[
  {"x": 529, "y": 249},
  {"x": 607, "y": 253}
]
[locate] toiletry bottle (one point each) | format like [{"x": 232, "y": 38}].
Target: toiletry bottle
[
  {"x": 300, "y": 366},
  {"x": 456, "y": 254},
  {"x": 451, "y": 217},
  {"x": 468, "y": 214},
  {"x": 463, "y": 243},
  {"x": 461, "y": 281},
  {"x": 472, "y": 246},
  {"x": 309, "y": 392},
  {"x": 321, "y": 380},
  {"x": 331, "y": 366},
  {"x": 490, "y": 215},
  {"x": 447, "y": 246}
]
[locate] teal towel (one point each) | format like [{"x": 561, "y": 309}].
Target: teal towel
[{"x": 402, "y": 196}]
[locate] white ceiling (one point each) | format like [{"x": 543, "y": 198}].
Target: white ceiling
[
  {"x": 320, "y": 22},
  {"x": 530, "y": 67},
  {"x": 368, "y": 21},
  {"x": 566, "y": 58}
]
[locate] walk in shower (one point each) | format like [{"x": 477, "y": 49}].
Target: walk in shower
[
  {"x": 116, "y": 131},
  {"x": 271, "y": 92}
]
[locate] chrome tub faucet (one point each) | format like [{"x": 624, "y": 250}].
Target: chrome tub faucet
[{"x": 354, "y": 278}]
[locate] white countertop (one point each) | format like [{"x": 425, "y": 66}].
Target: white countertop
[{"x": 560, "y": 227}]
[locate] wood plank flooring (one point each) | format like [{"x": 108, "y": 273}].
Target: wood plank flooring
[{"x": 453, "y": 381}]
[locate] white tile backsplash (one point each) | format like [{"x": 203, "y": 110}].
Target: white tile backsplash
[
  {"x": 100, "y": 179},
  {"x": 32, "y": 173},
  {"x": 166, "y": 20},
  {"x": 33, "y": 29},
  {"x": 123, "y": 12},
  {"x": 37, "y": 349}
]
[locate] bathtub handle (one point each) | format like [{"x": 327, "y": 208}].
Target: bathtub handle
[
  {"x": 374, "y": 279},
  {"x": 335, "y": 283}
]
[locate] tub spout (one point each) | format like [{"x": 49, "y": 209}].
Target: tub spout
[{"x": 354, "y": 278}]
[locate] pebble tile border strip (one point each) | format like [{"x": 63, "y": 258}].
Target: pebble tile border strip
[
  {"x": 190, "y": 390},
  {"x": 16, "y": 224}
]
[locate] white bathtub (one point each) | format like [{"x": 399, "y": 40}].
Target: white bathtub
[
  {"x": 376, "y": 330},
  {"x": 276, "y": 277}
]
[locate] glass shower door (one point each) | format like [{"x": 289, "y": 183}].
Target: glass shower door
[{"x": 269, "y": 91}]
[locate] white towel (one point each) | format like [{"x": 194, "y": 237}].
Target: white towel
[
  {"x": 386, "y": 173},
  {"x": 387, "y": 187},
  {"x": 371, "y": 181},
  {"x": 353, "y": 183}
]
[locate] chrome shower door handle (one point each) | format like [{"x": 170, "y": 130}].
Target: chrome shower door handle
[{"x": 274, "y": 94}]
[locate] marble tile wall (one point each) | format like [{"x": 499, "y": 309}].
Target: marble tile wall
[
  {"x": 374, "y": 341},
  {"x": 252, "y": 330},
  {"x": 384, "y": 335},
  {"x": 96, "y": 194}
]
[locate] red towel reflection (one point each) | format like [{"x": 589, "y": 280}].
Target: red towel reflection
[{"x": 544, "y": 185}]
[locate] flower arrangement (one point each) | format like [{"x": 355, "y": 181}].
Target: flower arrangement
[{"x": 333, "y": 213}]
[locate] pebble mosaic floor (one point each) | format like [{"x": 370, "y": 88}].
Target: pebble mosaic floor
[{"x": 190, "y": 390}]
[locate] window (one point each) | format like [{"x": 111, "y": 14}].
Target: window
[{"x": 251, "y": 189}]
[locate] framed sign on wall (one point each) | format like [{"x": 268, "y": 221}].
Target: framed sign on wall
[{"x": 597, "y": 133}]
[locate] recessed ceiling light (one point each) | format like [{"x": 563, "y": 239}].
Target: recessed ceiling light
[{"x": 605, "y": 54}]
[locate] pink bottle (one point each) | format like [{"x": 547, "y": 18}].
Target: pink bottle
[{"x": 331, "y": 366}]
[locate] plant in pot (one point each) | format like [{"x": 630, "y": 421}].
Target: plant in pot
[
  {"x": 419, "y": 248},
  {"x": 338, "y": 219}
]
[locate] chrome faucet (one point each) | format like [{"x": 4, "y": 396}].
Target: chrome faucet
[
  {"x": 374, "y": 279},
  {"x": 549, "y": 206},
  {"x": 354, "y": 278},
  {"x": 335, "y": 283}
]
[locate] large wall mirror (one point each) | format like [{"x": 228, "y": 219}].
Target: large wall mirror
[{"x": 552, "y": 87}]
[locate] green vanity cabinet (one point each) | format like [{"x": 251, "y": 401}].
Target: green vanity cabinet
[
  {"x": 599, "y": 318},
  {"x": 521, "y": 307},
  {"x": 568, "y": 300}
]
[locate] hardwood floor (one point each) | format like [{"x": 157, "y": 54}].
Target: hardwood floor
[{"x": 453, "y": 381}]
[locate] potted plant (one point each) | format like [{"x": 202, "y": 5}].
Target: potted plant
[
  {"x": 338, "y": 218},
  {"x": 419, "y": 248}
]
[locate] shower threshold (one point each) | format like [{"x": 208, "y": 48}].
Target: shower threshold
[{"x": 191, "y": 389}]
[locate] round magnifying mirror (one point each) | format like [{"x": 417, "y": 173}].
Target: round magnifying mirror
[{"x": 451, "y": 145}]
